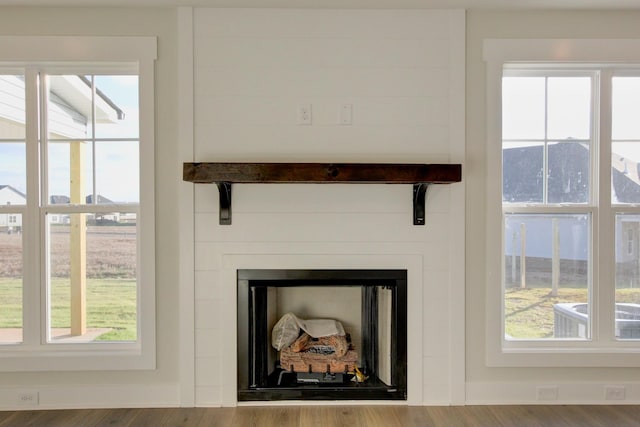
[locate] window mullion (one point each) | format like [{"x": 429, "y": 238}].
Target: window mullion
[
  {"x": 603, "y": 300},
  {"x": 545, "y": 147},
  {"x": 44, "y": 202},
  {"x": 31, "y": 232}
]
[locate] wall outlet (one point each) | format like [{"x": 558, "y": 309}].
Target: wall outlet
[
  {"x": 547, "y": 392},
  {"x": 346, "y": 114},
  {"x": 615, "y": 392},
  {"x": 27, "y": 398},
  {"x": 304, "y": 114}
]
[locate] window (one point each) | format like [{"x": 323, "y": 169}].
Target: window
[
  {"x": 567, "y": 188},
  {"x": 76, "y": 183}
]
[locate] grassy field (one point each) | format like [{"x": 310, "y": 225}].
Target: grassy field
[
  {"x": 110, "y": 304},
  {"x": 111, "y": 280},
  {"x": 529, "y": 312}
]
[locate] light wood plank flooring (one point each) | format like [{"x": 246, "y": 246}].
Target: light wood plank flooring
[{"x": 335, "y": 416}]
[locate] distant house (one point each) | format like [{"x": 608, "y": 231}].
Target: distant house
[
  {"x": 10, "y": 196},
  {"x": 103, "y": 218},
  {"x": 568, "y": 182}
]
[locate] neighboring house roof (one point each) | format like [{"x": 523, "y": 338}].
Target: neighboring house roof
[
  {"x": 101, "y": 199},
  {"x": 568, "y": 174},
  {"x": 59, "y": 200},
  {"x": 18, "y": 192}
]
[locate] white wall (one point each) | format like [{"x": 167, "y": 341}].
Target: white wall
[
  {"x": 518, "y": 385},
  {"x": 402, "y": 72},
  {"x": 138, "y": 388}
]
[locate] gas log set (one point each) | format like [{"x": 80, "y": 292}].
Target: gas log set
[{"x": 316, "y": 350}]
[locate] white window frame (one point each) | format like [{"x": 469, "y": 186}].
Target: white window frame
[
  {"x": 98, "y": 55},
  {"x": 603, "y": 350}
]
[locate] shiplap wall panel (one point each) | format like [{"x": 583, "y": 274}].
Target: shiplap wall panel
[
  {"x": 286, "y": 23},
  {"x": 323, "y": 227},
  {"x": 253, "y": 69},
  {"x": 417, "y": 143},
  {"x": 336, "y": 52},
  {"x": 321, "y": 198},
  {"x": 379, "y": 111},
  {"x": 323, "y": 82}
]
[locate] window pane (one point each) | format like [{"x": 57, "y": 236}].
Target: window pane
[
  {"x": 624, "y": 104},
  {"x": 117, "y": 107},
  {"x": 69, "y": 108},
  {"x": 625, "y": 150},
  {"x": 522, "y": 172},
  {"x": 13, "y": 174},
  {"x": 93, "y": 277},
  {"x": 569, "y": 108},
  {"x": 10, "y": 278},
  {"x": 117, "y": 172},
  {"x": 547, "y": 276},
  {"x": 12, "y": 107},
  {"x": 569, "y": 165},
  {"x": 70, "y": 172},
  {"x": 627, "y": 277},
  {"x": 12, "y": 136},
  {"x": 523, "y": 108},
  {"x": 625, "y": 172}
]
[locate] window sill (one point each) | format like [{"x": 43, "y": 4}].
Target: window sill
[
  {"x": 566, "y": 357},
  {"x": 22, "y": 360}
]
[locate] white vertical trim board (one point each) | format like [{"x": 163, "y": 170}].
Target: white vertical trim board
[
  {"x": 457, "y": 116},
  {"x": 186, "y": 208}
]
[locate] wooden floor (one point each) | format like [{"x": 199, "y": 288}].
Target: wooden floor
[{"x": 335, "y": 416}]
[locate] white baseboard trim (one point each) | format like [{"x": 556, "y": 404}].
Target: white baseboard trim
[
  {"x": 554, "y": 393},
  {"x": 89, "y": 396}
]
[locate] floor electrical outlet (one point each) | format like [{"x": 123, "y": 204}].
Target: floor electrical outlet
[
  {"x": 547, "y": 392},
  {"x": 614, "y": 392},
  {"x": 28, "y": 398}
]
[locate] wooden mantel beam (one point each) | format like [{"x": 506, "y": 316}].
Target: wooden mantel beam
[
  {"x": 226, "y": 174},
  {"x": 389, "y": 173}
]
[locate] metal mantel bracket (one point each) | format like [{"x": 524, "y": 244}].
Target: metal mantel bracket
[
  {"x": 224, "y": 188},
  {"x": 419, "y": 199}
]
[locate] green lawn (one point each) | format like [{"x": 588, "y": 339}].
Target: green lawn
[
  {"x": 111, "y": 303},
  {"x": 529, "y": 312}
]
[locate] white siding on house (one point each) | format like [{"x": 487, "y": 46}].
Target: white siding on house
[{"x": 12, "y": 98}]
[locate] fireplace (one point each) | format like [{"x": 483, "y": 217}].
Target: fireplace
[{"x": 371, "y": 307}]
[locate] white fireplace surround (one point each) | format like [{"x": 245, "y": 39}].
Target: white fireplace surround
[
  {"x": 233, "y": 262},
  {"x": 243, "y": 76}
]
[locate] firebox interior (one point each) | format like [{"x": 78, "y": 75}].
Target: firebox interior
[{"x": 371, "y": 305}]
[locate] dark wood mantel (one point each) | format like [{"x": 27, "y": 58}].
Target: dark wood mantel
[{"x": 226, "y": 174}]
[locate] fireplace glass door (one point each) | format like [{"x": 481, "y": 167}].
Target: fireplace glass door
[{"x": 322, "y": 334}]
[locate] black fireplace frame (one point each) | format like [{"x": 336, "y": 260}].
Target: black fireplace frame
[{"x": 254, "y": 382}]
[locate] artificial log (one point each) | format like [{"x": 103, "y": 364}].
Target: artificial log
[
  {"x": 305, "y": 361},
  {"x": 336, "y": 344}
]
